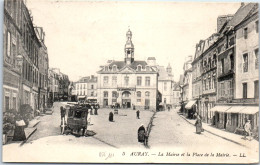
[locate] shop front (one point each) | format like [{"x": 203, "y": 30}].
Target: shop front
[
  {"x": 191, "y": 109},
  {"x": 219, "y": 118}
]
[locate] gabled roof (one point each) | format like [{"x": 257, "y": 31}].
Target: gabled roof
[{"x": 240, "y": 15}]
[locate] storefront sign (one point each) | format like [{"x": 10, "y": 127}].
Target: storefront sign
[{"x": 126, "y": 89}]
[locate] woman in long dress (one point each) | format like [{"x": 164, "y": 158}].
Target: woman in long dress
[
  {"x": 141, "y": 134},
  {"x": 198, "y": 125}
]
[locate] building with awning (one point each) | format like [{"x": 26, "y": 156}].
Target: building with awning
[{"x": 190, "y": 104}]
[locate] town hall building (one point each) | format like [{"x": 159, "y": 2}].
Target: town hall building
[{"x": 128, "y": 83}]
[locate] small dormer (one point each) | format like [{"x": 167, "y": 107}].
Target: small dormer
[
  {"x": 106, "y": 68},
  {"x": 147, "y": 68},
  {"x": 139, "y": 68},
  {"x": 114, "y": 68}
]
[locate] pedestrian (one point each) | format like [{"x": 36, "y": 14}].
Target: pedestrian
[
  {"x": 95, "y": 109},
  {"x": 137, "y": 114},
  {"x": 91, "y": 109},
  {"x": 168, "y": 108},
  {"x": 62, "y": 113},
  {"x": 198, "y": 125},
  {"x": 247, "y": 129},
  {"x": 19, "y": 134},
  {"x": 111, "y": 117},
  {"x": 141, "y": 134}
]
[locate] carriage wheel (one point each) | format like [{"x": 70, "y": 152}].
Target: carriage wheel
[{"x": 62, "y": 126}]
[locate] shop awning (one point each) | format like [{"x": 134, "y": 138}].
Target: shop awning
[
  {"x": 81, "y": 97},
  {"x": 250, "y": 110},
  {"x": 91, "y": 98},
  {"x": 236, "y": 109},
  {"x": 219, "y": 108},
  {"x": 190, "y": 104}
]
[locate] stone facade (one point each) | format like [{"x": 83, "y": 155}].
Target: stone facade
[{"x": 128, "y": 82}]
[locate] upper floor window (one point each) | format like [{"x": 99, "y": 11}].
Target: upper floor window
[
  {"x": 256, "y": 90},
  {"x": 139, "y": 81},
  {"x": 231, "y": 41},
  {"x": 8, "y": 52},
  {"x": 165, "y": 86},
  {"x": 209, "y": 63},
  {"x": 245, "y": 64},
  {"x": 105, "y": 79},
  {"x": 244, "y": 90},
  {"x": 222, "y": 66},
  {"x": 105, "y": 93},
  {"x": 92, "y": 94},
  {"x": 245, "y": 33},
  {"x": 92, "y": 86},
  {"x": 114, "y": 94},
  {"x": 139, "y": 94},
  {"x": 126, "y": 80},
  {"x": 256, "y": 58},
  {"x": 256, "y": 26},
  {"x": 147, "y": 81},
  {"x": 231, "y": 62},
  {"x": 114, "y": 80}
]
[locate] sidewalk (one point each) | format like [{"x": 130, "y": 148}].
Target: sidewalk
[{"x": 237, "y": 139}]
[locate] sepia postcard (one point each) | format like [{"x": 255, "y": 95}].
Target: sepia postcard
[{"x": 130, "y": 82}]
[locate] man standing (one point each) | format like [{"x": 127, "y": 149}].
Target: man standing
[
  {"x": 137, "y": 114},
  {"x": 62, "y": 113},
  {"x": 247, "y": 128}
]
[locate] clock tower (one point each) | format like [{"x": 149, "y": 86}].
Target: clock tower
[{"x": 129, "y": 48}]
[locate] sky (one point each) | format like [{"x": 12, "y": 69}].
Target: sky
[{"x": 83, "y": 35}]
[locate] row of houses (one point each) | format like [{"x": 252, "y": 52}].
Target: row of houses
[
  {"x": 25, "y": 59},
  {"x": 221, "y": 82}
]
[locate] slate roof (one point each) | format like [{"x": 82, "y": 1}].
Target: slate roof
[
  {"x": 151, "y": 58},
  {"x": 241, "y": 13},
  {"x": 133, "y": 65}
]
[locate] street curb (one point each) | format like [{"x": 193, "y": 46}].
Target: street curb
[
  {"x": 214, "y": 133},
  {"x": 149, "y": 128}
]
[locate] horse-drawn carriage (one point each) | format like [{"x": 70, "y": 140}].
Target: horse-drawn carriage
[{"x": 75, "y": 120}]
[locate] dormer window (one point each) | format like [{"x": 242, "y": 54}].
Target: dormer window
[
  {"x": 139, "y": 68},
  {"x": 114, "y": 68},
  {"x": 106, "y": 68},
  {"x": 147, "y": 68}
]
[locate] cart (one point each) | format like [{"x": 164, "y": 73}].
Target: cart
[{"x": 75, "y": 120}]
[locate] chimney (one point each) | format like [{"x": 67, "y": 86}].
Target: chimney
[
  {"x": 222, "y": 20},
  {"x": 242, "y": 4}
]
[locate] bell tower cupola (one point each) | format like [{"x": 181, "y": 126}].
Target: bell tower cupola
[{"x": 129, "y": 48}]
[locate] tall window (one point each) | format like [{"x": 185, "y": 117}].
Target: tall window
[
  {"x": 256, "y": 58},
  {"x": 92, "y": 86},
  {"x": 114, "y": 80},
  {"x": 245, "y": 33},
  {"x": 147, "y": 81},
  {"x": 139, "y": 94},
  {"x": 209, "y": 82},
  {"x": 245, "y": 64},
  {"x": 222, "y": 66},
  {"x": 14, "y": 102},
  {"x": 164, "y": 100},
  {"x": 92, "y": 94},
  {"x": 8, "y": 44},
  {"x": 222, "y": 90},
  {"x": 244, "y": 90},
  {"x": 7, "y": 103},
  {"x": 139, "y": 81},
  {"x": 256, "y": 26},
  {"x": 231, "y": 62},
  {"x": 256, "y": 93},
  {"x": 105, "y": 93},
  {"x": 165, "y": 86},
  {"x": 105, "y": 80},
  {"x": 126, "y": 80}
]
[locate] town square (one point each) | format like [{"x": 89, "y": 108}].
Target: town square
[{"x": 130, "y": 82}]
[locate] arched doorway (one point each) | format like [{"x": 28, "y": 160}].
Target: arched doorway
[{"x": 126, "y": 99}]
